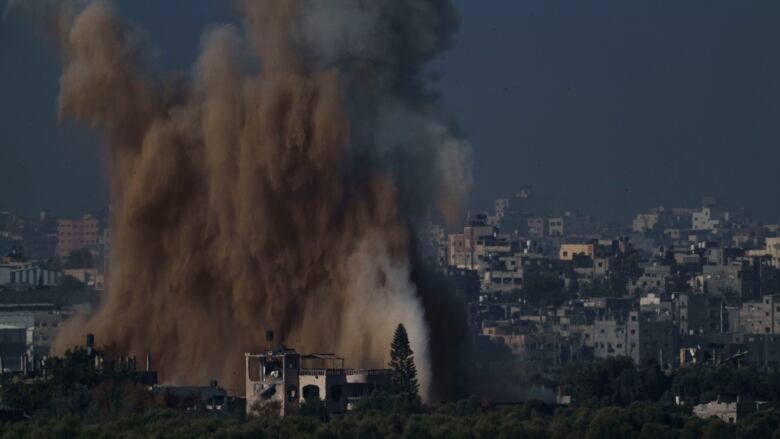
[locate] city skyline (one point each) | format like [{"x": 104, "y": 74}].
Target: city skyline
[{"x": 390, "y": 218}]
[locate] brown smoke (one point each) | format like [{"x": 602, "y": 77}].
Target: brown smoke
[{"x": 278, "y": 197}]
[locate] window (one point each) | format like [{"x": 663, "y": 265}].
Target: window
[
  {"x": 292, "y": 393},
  {"x": 271, "y": 369},
  {"x": 311, "y": 391}
]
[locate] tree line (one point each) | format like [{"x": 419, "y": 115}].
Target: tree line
[{"x": 611, "y": 399}]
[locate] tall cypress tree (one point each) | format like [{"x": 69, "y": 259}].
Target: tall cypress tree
[{"x": 403, "y": 373}]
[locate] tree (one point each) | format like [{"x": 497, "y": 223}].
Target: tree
[
  {"x": 314, "y": 407},
  {"x": 81, "y": 258},
  {"x": 403, "y": 373}
]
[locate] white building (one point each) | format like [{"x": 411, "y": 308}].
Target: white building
[
  {"x": 704, "y": 220},
  {"x": 28, "y": 274}
]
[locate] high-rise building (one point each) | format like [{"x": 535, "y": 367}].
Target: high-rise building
[{"x": 74, "y": 234}]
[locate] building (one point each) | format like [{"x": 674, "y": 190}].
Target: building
[
  {"x": 462, "y": 248},
  {"x": 738, "y": 278},
  {"x": 34, "y": 275},
  {"x": 727, "y": 410},
  {"x": 654, "y": 279},
  {"x": 638, "y": 336},
  {"x": 761, "y": 317},
  {"x": 277, "y": 382},
  {"x": 536, "y": 227},
  {"x": 567, "y": 252},
  {"x": 211, "y": 398},
  {"x": 616, "y": 336},
  {"x": 555, "y": 226},
  {"x": 500, "y": 207},
  {"x": 75, "y": 234},
  {"x": 758, "y": 350},
  {"x": 35, "y": 316},
  {"x": 704, "y": 220},
  {"x": 772, "y": 247},
  {"x": 658, "y": 341},
  {"x": 456, "y": 251},
  {"x": 90, "y": 277},
  {"x": 698, "y": 314},
  {"x": 644, "y": 222},
  {"x": 15, "y": 346},
  {"x": 501, "y": 281}
]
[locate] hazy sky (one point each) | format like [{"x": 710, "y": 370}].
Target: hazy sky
[{"x": 614, "y": 105}]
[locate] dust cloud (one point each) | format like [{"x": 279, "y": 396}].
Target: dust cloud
[{"x": 277, "y": 186}]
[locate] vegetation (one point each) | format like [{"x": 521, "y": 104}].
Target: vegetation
[
  {"x": 403, "y": 373},
  {"x": 611, "y": 399},
  {"x": 81, "y": 258},
  {"x": 73, "y": 385},
  {"x": 617, "y": 381},
  {"x": 472, "y": 418},
  {"x": 315, "y": 408}
]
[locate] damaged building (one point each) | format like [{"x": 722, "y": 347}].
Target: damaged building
[{"x": 279, "y": 381}]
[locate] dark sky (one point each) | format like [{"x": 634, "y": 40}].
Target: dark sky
[{"x": 615, "y": 106}]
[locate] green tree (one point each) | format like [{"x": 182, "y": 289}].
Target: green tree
[
  {"x": 81, "y": 258},
  {"x": 403, "y": 373},
  {"x": 608, "y": 423},
  {"x": 656, "y": 431},
  {"x": 315, "y": 408}
]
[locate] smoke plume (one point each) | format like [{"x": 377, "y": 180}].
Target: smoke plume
[{"x": 275, "y": 188}]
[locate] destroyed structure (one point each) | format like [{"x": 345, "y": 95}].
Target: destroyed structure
[
  {"x": 728, "y": 408},
  {"x": 279, "y": 381},
  {"x": 211, "y": 398}
]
